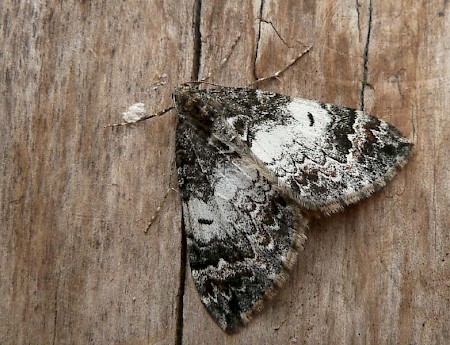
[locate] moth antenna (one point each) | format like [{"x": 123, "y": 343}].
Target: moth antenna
[
  {"x": 202, "y": 82},
  {"x": 277, "y": 74},
  {"x": 136, "y": 120},
  {"x": 158, "y": 209},
  {"x": 223, "y": 62}
]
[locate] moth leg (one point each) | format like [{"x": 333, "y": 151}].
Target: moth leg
[
  {"x": 277, "y": 74},
  {"x": 158, "y": 209}
]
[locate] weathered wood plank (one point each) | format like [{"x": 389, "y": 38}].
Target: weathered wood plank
[
  {"x": 75, "y": 264},
  {"x": 379, "y": 272}
]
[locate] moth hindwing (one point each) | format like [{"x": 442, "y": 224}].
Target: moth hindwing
[{"x": 251, "y": 164}]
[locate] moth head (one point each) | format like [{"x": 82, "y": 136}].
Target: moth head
[{"x": 195, "y": 106}]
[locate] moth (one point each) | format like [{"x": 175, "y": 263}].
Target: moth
[{"x": 252, "y": 167}]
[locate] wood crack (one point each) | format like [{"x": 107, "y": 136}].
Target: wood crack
[
  {"x": 258, "y": 39},
  {"x": 55, "y": 319},
  {"x": 276, "y": 32},
  {"x": 196, "y": 62},
  {"x": 197, "y": 40},
  {"x": 366, "y": 59},
  {"x": 182, "y": 287}
]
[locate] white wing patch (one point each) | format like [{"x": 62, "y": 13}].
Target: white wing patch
[
  {"x": 305, "y": 123},
  {"x": 210, "y": 223},
  {"x": 311, "y": 120}
]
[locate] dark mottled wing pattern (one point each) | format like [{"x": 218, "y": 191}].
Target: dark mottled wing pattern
[{"x": 241, "y": 233}]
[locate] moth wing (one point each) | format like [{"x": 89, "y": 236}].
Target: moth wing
[
  {"x": 241, "y": 233},
  {"x": 323, "y": 155}
]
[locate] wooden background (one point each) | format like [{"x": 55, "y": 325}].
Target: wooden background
[{"x": 75, "y": 264}]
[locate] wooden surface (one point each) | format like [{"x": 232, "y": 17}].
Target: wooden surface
[{"x": 76, "y": 266}]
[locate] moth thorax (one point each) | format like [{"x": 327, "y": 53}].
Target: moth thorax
[{"x": 194, "y": 106}]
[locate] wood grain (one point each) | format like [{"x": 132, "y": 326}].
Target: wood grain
[{"x": 76, "y": 266}]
